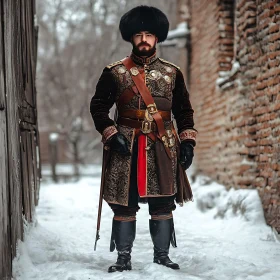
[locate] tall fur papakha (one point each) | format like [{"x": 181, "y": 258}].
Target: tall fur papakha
[{"x": 144, "y": 18}]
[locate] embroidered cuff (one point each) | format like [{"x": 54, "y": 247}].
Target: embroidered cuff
[
  {"x": 188, "y": 134},
  {"x": 108, "y": 132}
]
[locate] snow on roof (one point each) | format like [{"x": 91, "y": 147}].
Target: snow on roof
[
  {"x": 180, "y": 31},
  {"x": 178, "y": 36}
]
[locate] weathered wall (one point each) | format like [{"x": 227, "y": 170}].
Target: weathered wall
[
  {"x": 237, "y": 113},
  {"x": 19, "y": 153},
  {"x": 5, "y": 236}
]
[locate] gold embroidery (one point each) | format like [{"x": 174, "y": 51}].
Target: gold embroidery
[
  {"x": 168, "y": 69},
  {"x": 114, "y": 64},
  {"x": 165, "y": 61},
  {"x": 188, "y": 134}
]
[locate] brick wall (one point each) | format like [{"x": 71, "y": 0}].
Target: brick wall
[{"x": 237, "y": 106}]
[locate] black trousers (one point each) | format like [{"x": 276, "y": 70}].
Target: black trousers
[{"x": 157, "y": 205}]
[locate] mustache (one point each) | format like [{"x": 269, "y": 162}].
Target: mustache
[{"x": 143, "y": 44}]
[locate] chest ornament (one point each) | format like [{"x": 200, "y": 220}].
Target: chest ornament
[
  {"x": 134, "y": 71},
  {"x": 121, "y": 70},
  {"x": 167, "y": 79},
  {"x": 155, "y": 75},
  {"x": 168, "y": 69}
]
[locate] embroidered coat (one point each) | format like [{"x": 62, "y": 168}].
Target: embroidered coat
[{"x": 166, "y": 84}]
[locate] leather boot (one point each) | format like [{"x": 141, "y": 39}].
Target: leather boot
[
  {"x": 162, "y": 233},
  {"x": 123, "y": 235}
]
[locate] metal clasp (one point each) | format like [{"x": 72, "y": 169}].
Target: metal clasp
[
  {"x": 146, "y": 127},
  {"x": 152, "y": 108},
  {"x": 164, "y": 140},
  {"x": 171, "y": 138}
]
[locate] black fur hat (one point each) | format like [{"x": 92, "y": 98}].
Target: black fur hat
[{"x": 144, "y": 18}]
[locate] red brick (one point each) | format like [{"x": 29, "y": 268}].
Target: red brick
[
  {"x": 268, "y": 4},
  {"x": 264, "y": 23},
  {"x": 274, "y": 37},
  {"x": 277, "y": 9},
  {"x": 275, "y": 62},
  {"x": 273, "y": 28},
  {"x": 266, "y": 14}
]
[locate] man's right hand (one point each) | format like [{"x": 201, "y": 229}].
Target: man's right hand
[{"x": 119, "y": 144}]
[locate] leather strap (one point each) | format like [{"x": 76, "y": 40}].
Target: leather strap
[
  {"x": 125, "y": 97},
  {"x": 147, "y": 97},
  {"x": 134, "y": 123},
  {"x": 140, "y": 114},
  {"x": 138, "y": 125}
]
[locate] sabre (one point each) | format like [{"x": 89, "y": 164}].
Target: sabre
[{"x": 105, "y": 158}]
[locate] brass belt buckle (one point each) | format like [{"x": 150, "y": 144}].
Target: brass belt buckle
[
  {"x": 151, "y": 109},
  {"x": 146, "y": 127}
]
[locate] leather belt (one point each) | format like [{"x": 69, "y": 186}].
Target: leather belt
[
  {"x": 134, "y": 123},
  {"x": 140, "y": 114}
]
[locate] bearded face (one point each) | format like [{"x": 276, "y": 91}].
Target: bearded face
[{"x": 144, "y": 43}]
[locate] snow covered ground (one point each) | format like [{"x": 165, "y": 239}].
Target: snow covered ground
[{"x": 221, "y": 235}]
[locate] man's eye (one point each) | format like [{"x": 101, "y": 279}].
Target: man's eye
[{"x": 149, "y": 35}]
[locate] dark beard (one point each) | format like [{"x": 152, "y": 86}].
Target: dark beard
[{"x": 143, "y": 52}]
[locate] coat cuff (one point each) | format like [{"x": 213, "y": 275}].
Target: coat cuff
[
  {"x": 188, "y": 134},
  {"x": 108, "y": 132}
]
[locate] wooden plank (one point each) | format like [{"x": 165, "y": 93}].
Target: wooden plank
[
  {"x": 35, "y": 168},
  {"x": 25, "y": 178},
  {"x": 13, "y": 90},
  {"x": 5, "y": 240},
  {"x": 39, "y": 164},
  {"x": 30, "y": 173},
  {"x": 36, "y": 162},
  {"x": 28, "y": 113},
  {"x": 28, "y": 42}
]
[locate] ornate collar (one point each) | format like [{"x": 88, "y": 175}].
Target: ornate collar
[{"x": 143, "y": 60}]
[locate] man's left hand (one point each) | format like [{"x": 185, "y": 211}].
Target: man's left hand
[{"x": 186, "y": 154}]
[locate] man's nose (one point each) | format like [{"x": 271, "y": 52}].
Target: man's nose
[{"x": 144, "y": 37}]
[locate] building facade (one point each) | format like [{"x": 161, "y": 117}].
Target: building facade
[{"x": 234, "y": 79}]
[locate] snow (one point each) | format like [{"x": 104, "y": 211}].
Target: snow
[
  {"x": 221, "y": 235},
  {"x": 181, "y": 30},
  {"x": 67, "y": 169},
  {"x": 54, "y": 137},
  {"x": 224, "y": 76},
  {"x": 178, "y": 36}
]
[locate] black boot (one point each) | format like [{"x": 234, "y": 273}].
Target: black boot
[
  {"x": 162, "y": 233},
  {"x": 123, "y": 235}
]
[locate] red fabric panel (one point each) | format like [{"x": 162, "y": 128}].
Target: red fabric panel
[{"x": 142, "y": 165}]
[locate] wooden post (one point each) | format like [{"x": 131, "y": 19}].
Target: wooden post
[
  {"x": 5, "y": 234},
  {"x": 76, "y": 159},
  {"x": 13, "y": 82},
  {"x": 53, "y": 137}
]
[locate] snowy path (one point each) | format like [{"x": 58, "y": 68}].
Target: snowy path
[{"x": 61, "y": 245}]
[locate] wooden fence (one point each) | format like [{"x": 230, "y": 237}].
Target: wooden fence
[{"x": 19, "y": 147}]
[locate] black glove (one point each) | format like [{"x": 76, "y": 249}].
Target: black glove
[
  {"x": 186, "y": 154},
  {"x": 119, "y": 144}
]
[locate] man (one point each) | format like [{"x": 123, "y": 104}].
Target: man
[{"x": 147, "y": 160}]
